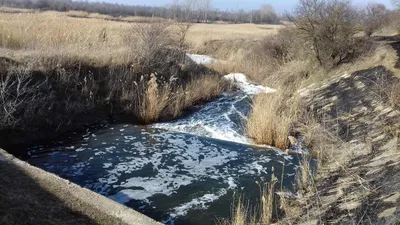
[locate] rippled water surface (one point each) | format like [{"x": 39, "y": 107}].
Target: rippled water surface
[{"x": 187, "y": 169}]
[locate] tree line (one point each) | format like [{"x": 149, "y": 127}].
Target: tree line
[{"x": 181, "y": 10}]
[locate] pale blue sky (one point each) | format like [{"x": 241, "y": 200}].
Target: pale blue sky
[{"x": 279, "y": 5}]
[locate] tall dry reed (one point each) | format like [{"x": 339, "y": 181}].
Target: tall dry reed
[
  {"x": 262, "y": 213},
  {"x": 271, "y": 119}
]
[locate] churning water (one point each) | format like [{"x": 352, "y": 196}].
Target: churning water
[{"x": 186, "y": 169}]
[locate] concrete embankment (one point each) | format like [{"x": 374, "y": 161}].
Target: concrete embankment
[{"x": 30, "y": 195}]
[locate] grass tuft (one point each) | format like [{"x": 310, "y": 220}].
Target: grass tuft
[{"x": 272, "y": 118}]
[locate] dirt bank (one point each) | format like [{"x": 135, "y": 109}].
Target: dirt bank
[
  {"x": 361, "y": 184},
  {"x": 30, "y": 195},
  {"x": 40, "y": 102}
]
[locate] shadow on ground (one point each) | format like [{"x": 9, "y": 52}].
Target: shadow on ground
[{"x": 23, "y": 200}]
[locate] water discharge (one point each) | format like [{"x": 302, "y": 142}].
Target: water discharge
[
  {"x": 224, "y": 118},
  {"x": 187, "y": 169}
]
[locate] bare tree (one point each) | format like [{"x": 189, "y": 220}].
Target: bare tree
[
  {"x": 151, "y": 46},
  {"x": 195, "y": 10},
  {"x": 268, "y": 13},
  {"x": 375, "y": 16},
  {"x": 206, "y": 7},
  {"x": 329, "y": 27},
  {"x": 174, "y": 9}
]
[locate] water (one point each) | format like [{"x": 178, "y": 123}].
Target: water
[
  {"x": 222, "y": 119},
  {"x": 187, "y": 169}
]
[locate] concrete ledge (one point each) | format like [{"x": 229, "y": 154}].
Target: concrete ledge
[{"x": 79, "y": 199}]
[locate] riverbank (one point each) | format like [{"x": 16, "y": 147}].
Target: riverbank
[
  {"x": 359, "y": 181},
  {"x": 33, "y": 196},
  {"x": 350, "y": 123},
  {"x": 78, "y": 72}
]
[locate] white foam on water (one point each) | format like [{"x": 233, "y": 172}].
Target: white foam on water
[
  {"x": 232, "y": 183},
  {"x": 80, "y": 149},
  {"x": 197, "y": 203},
  {"x": 201, "y": 59},
  {"x": 170, "y": 178},
  {"x": 127, "y": 195},
  {"x": 164, "y": 164},
  {"x": 240, "y": 80},
  {"x": 107, "y": 165},
  {"x": 215, "y": 118},
  {"x": 192, "y": 161}
]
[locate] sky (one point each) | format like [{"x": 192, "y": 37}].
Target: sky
[{"x": 279, "y": 5}]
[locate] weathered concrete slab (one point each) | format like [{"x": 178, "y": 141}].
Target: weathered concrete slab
[{"x": 88, "y": 207}]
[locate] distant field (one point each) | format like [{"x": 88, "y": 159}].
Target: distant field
[
  {"x": 200, "y": 33},
  {"x": 47, "y": 34},
  {"x": 100, "y": 37}
]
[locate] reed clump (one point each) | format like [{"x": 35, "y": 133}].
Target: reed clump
[
  {"x": 271, "y": 119},
  {"x": 262, "y": 212}
]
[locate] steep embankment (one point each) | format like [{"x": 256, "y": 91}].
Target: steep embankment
[{"x": 361, "y": 184}]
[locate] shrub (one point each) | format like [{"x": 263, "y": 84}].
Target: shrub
[
  {"x": 154, "y": 48},
  {"x": 393, "y": 21},
  {"x": 374, "y": 18},
  {"x": 16, "y": 93},
  {"x": 329, "y": 27}
]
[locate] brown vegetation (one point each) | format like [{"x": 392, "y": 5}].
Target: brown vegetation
[
  {"x": 375, "y": 17},
  {"x": 337, "y": 52},
  {"x": 394, "y": 94},
  {"x": 271, "y": 119},
  {"x": 329, "y": 29},
  {"x": 57, "y": 76},
  {"x": 143, "y": 72},
  {"x": 289, "y": 68},
  {"x": 243, "y": 213}
]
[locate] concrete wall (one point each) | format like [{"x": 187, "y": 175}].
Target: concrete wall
[{"x": 80, "y": 199}]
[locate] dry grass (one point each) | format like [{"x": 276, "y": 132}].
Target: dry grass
[
  {"x": 154, "y": 102},
  {"x": 170, "y": 102},
  {"x": 96, "y": 40},
  {"x": 260, "y": 59},
  {"x": 272, "y": 118},
  {"x": 142, "y": 19},
  {"x": 115, "y": 55},
  {"x": 394, "y": 95},
  {"x": 200, "y": 34},
  {"x": 196, "y": 91},
  {"x": 133, "y": 19},
  {"x": 262, "y": 213},
  {"x": 4, "y": 9},
  {"x": 103, "y": 41},
  {"x": 239, "y": 215}
]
